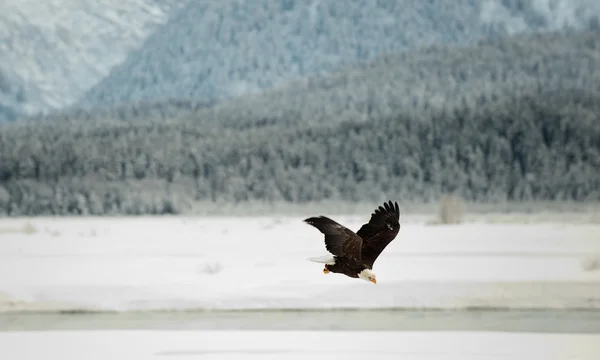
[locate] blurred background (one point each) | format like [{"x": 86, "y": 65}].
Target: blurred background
[{"x": 157, "y": 158}]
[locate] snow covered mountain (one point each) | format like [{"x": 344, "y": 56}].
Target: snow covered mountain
[
  {"x": 57, "y": 53},
  {"x": 54, "y": 50},
  {"x": 216, "y": 49}
]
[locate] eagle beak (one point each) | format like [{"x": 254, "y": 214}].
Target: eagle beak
[{"x": 374, "y": 281}]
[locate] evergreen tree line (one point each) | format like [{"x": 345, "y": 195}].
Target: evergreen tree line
[{"x": 538, "y": 141}]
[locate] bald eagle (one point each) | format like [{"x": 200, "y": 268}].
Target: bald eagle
[{"x": 355, "y": 253}]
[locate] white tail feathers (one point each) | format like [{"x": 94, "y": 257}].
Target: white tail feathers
[{"x": 326, "y": 259}]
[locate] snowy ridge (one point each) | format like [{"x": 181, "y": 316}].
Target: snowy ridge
[
  {"x": 61, "y": 48},
  {"x": 106, "y": 52},
  {"x": 202, "y": 264},
  {"x": 249, "y": 47}
]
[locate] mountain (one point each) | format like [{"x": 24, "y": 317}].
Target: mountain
[
  {"x": 510, "y": 119},
  {"x": 437, "y": 77},
  {"x": 53, "y": 51},
  {"x": 218, "y": 49}
]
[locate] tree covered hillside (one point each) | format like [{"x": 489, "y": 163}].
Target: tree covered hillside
[
  {"x": 12, "y": 92},
  {"x": 439, "y": 77},
  {"x": 218, "y": 49},
  {"x": 523, "y": 124}
]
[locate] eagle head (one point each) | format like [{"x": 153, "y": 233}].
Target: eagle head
[{"x": 368, "y": 275}]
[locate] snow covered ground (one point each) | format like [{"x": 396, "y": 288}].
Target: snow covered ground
[
  {"x": 166, "y": 263},
  {"x": 315, "y": 345}
]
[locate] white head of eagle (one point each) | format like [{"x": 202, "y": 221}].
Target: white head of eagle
[
  {"x": 368, "y": 275},
  {"x": 354, "y": 253}
]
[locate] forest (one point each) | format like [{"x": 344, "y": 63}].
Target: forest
[{"x": 513, "y": 119}]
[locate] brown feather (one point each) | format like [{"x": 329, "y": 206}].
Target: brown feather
[
  {"x": 381, "y": 229},
  {"x": 339, "y": 240}
]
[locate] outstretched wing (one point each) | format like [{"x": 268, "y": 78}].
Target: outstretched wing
[
  {"x": 339, "y": 240},
  {"x": 381, "y": 229}
]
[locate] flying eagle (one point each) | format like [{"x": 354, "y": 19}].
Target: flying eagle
[{"x": 355, "y": 253}]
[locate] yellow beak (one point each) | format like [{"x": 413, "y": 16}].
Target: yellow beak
[{"x": 374, "y": 281}]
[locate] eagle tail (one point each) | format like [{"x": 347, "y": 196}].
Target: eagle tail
[{"x": 326, "y": 259}]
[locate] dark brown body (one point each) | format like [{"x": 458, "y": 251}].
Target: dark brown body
[{"x": 346, "y": 267}]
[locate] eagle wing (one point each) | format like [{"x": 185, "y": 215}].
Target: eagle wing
[
  {"x": 381, "y": 229},
  {"x": 339, "y": 240}
]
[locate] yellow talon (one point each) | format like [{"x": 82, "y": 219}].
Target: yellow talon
[{"x": 325, "y": 271}]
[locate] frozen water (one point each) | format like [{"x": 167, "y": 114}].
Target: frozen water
[{"x": 285, "y": 345}]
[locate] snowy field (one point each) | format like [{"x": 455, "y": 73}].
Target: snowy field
[
  {"x": 174, "y": 263},
  {"x": 211, "y": 263},
  {"x": 287, "y": 345}
]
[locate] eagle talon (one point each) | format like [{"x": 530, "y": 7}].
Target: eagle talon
[{"x": 325, "y": 271}]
